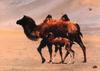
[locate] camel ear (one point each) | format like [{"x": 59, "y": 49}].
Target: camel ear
[{"x": 24, "y": 16}]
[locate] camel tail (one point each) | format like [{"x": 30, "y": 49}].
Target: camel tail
[{"x": 79, "y": 32}]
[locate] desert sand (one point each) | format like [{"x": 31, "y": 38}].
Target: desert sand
[{"x": 18, "y": 53}]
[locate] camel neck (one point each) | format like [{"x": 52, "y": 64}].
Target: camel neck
[{"x": 28, "y": 32}]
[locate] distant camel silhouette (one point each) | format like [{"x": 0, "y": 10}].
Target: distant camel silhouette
[
  {"x": 58, "y": 27},
  {"x": 60, "y": 42}
]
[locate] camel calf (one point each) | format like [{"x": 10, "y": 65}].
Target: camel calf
[{"x": 60, "y": 42}]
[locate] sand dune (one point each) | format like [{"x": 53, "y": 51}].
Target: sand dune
[{"x": 17, "y": 53}]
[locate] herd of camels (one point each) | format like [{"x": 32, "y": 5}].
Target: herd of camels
[{"x": 59, "y": 32}]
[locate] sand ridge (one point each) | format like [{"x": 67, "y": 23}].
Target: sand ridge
[{"x": 17, "y": 53}]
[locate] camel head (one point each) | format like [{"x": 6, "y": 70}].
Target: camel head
[
  {"x": 26, "y": 20},
  {"x": 29, "y": 27}
]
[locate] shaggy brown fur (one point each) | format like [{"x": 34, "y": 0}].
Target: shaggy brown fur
[
  {"x": 58, "y": 28},
  {"x": 60, "y": 42}
]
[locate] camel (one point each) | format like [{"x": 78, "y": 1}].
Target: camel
[
  {"x": 58, "y": 27},
  {"x": 60, "y": 42}
]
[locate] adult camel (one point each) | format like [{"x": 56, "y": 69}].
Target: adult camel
[{"x": 58, "y": 28}]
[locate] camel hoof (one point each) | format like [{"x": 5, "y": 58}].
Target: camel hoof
[
  {"x": 73, "y": 62},
  {"x": 84, "y": 61},
  {"x": 43, "y": 61},
  {"x": 54, "y": 55},
  {"x": 50, "y": 61},
  {"x": 61, "y": 62}
]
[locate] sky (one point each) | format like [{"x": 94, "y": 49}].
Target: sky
[{"x": 77, "y": 10}]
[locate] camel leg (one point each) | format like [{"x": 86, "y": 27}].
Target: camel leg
[
  {"x": 79, "y": 41},
  {"x": 68, "y": 48},
  {"x": 73, "y": 52},
  {"x": 42, "y": 45},
  {"x": 84, "y": 51},
  {"x": 56, "y": 49},
  {"x": 60, "y": 52},
  {"x": 50, "y": 52},
  {"x": 72, "y": 55},
  {"x": 67, "y": 53}
]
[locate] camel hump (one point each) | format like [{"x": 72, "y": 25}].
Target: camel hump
[
  {"x": 71, "y": 27},
  {"x": 53, "y": 21},
  {"x": 71, "y": 22}
]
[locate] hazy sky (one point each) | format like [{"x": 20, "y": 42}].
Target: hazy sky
[{"x": 78, "y": 10}]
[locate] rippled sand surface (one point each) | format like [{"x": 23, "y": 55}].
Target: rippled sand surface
[{"x": 17, "y": 53}]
